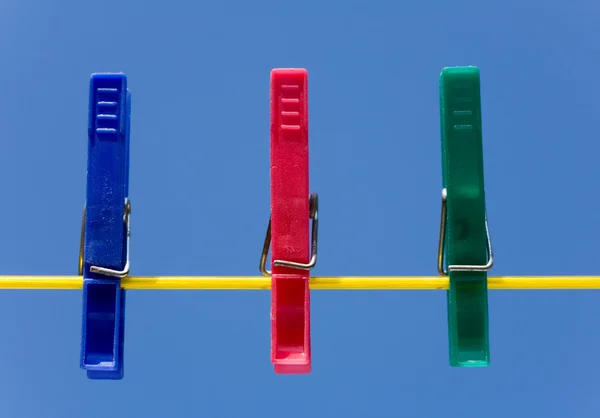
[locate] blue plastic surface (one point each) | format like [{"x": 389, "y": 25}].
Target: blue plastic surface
[{"x": 105, "y": 245}]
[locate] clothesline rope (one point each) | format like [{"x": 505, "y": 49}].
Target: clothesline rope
[{"x": 316, "y": 283}]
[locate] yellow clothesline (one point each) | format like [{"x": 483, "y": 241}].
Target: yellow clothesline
[{"x": 316, "y": 283}]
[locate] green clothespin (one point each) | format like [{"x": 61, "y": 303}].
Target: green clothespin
[{"x": 464, "y": 235}]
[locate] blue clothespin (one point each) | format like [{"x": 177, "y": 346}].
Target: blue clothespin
[{"x": 104, "y": 255}]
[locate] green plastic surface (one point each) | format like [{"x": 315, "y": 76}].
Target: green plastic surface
[{"x": 466, "y": 238}]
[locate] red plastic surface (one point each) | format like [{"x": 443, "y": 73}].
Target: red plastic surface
[{"x": 290, "y": 296}]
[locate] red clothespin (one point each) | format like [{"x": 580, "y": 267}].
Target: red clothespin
[{"x": 288, "y": 230}]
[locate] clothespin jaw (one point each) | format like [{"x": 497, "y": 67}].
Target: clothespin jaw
[
  {"x": 104, "y": 257},
  {"x": 464, "y": 237},
  {"x": 288, "y": 230}
]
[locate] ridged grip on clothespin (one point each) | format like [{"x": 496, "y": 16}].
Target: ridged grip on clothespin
[{"x": 466, "y": 237}]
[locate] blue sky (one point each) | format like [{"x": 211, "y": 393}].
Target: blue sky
[{"x": 199, "y": 76}]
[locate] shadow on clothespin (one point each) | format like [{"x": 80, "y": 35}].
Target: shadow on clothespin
[
  {"x": 104, "y": 252},
  {"x": 464, "y": 235},
  {"x": 288, "y": 230}
]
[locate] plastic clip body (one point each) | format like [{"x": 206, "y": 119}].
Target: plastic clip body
[
  {"x": 106, "y": 227},
  {"x": 464, "y": 233},
  {"x": 290, "y": 295}
]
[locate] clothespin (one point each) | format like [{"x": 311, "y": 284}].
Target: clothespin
[
  {"x": 104, "y": 255},
  {"x": 464, "y": 235},
  {"x": 288, "y": 230}
]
